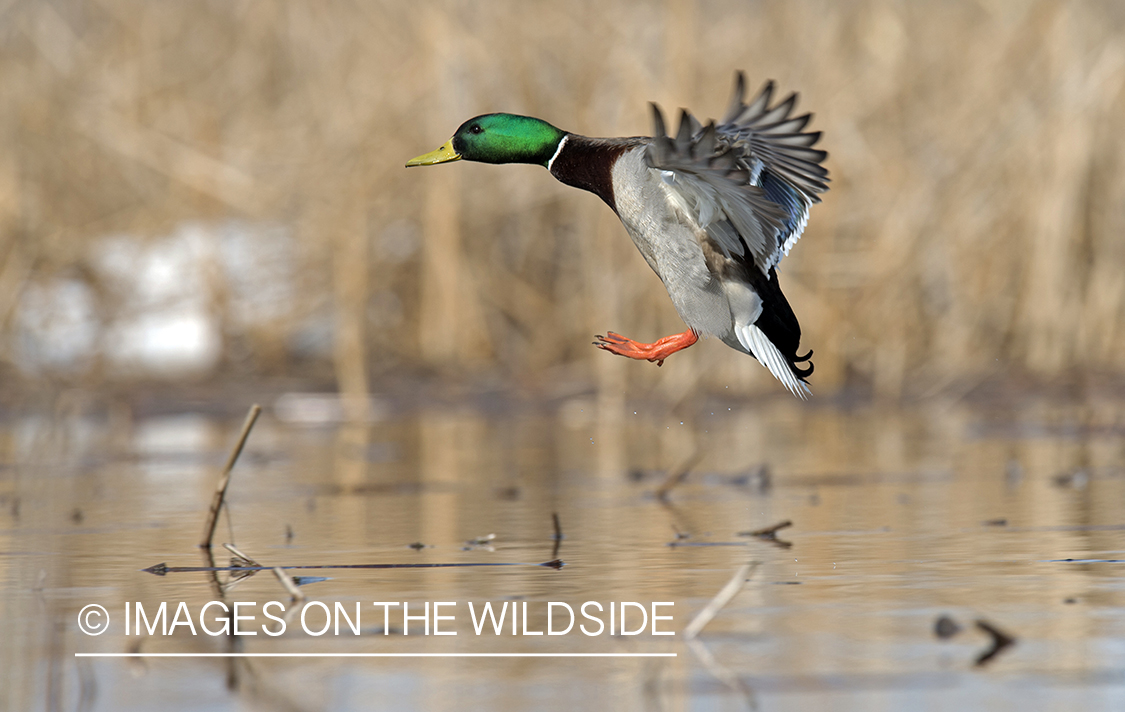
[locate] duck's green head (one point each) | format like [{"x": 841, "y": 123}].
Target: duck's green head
[{"x": 498, "y": 138}]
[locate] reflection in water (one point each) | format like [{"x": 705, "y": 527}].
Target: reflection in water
[{"x": 898, "y": 517}]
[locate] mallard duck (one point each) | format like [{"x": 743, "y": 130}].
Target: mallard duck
[{"x": 712, "y": 211}]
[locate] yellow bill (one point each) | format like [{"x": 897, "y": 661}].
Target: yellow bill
[{"x": 445, "y": 154}]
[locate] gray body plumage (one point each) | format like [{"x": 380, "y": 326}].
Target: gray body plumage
[{"x": 672, "y": 242}]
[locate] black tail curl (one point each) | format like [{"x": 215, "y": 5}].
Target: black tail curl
[{"x": 802, "y": 373}]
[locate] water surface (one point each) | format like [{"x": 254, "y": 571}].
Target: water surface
[{"x": 1008, "y": 514}]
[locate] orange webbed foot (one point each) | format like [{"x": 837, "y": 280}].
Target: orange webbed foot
[{"x": 655, "y": 352}]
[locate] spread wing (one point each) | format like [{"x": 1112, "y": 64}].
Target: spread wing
[{"x": 749, "y": 181}]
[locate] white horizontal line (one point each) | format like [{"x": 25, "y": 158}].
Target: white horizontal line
[{"x": 375, "y": 655}]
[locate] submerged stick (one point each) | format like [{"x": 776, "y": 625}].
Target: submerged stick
[
  {"x": 162, "y": 568},
  {"x": 221, "y": 491}
]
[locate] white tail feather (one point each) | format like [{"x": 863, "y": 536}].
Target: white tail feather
[{"x": 756, "y": 342}]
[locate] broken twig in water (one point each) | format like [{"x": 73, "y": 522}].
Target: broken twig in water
[
  {"x": 238, "y": 558},
  {"x": 770, "y": 534},
  {"x": 1000, "y": 641},
  {"x": 247, "y": 566},
  {"x": 558, "y": 535},
  {"x": 678, "y": 474},
  {"x": 249, "y": 561},
  {"x": 722, "y": 598},
  {"x": 221, "y": 491},
  {"x": 294, "y": 593},
  {"x": 161, "y": 569}
]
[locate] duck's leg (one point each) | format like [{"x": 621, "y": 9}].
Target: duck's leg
[{"x": 622, "y": 346}]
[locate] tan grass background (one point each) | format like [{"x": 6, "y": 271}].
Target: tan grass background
[{"x": 975, "y": 226}]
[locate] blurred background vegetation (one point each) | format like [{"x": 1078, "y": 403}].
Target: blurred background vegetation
[{"x": 214, "y": 192}]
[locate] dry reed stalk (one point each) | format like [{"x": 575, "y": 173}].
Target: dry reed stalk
[{"x": 224, "y": 479}]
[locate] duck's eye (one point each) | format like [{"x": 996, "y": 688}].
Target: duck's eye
[{"x": 476, "y": 129}]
